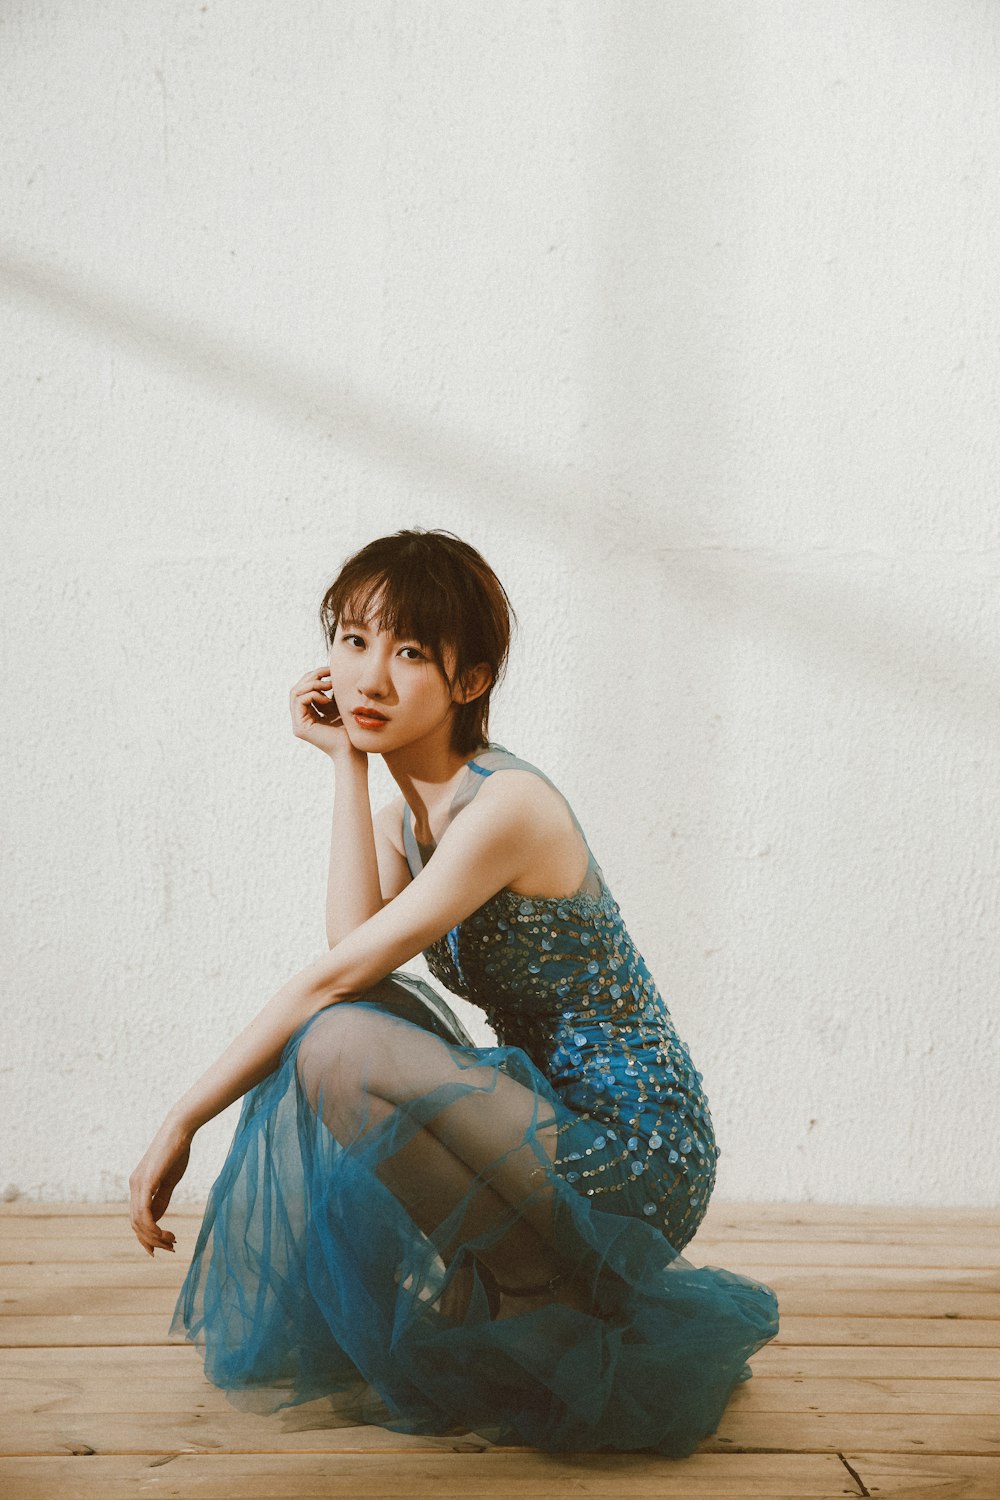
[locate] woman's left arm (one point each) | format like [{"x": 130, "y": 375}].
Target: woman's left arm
[{"x": 489, "y": 845}]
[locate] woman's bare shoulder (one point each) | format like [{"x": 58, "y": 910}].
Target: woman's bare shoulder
[
  {"x": 552, "y": 841},
  {"x": 517, "y": 787},
  {"x": 529, "y": 783}
]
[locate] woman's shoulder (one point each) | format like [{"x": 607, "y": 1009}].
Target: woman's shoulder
[
  {"x": 522, "y": 782},
  {"x": 526, "y": 796}
]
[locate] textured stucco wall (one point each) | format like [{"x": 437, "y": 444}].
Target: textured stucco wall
[{"x": 686, "y": 315}]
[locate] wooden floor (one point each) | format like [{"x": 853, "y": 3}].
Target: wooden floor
[{"x": 884, "y": 1379}]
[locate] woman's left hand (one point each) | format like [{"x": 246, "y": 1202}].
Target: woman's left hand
[{"x": 152, "y": 1182}]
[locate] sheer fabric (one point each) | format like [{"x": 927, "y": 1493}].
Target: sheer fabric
[{"x": 390, "y": 1179}]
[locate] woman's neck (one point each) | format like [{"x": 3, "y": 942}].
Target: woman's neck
[{"x": 428, "y": 785}]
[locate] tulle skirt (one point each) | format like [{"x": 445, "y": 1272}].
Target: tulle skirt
[{"x": 375, "y": 1180}]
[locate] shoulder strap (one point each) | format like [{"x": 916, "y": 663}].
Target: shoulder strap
[{"x": 410, "y": 845}]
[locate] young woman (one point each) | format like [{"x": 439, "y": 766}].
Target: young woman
[{"x": 438, "y": 1236}]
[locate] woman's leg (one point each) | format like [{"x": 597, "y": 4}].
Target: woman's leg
[{"x": 359, "y": 1065}]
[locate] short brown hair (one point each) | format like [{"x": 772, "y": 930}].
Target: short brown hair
[{"x": 440, "y": 591}]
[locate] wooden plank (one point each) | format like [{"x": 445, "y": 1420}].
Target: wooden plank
[
  {"x": 158, "y": 1270},
  {"x": 126, "y": 1362},
  {"x": 928, "y": 1477},
  {"x": 814, "y": 1301},
  {"x": 163, "y": 1364},
  {"x": 719, "y": 1209},
  {"x": 863, "y": 1333},
  {"x": 745, "y": 1255},
  {"x": 111, "y": 1224},
  {"x": 867, "y": 1333},
  {"x": 874, "y": 1396},
  {"x": 744, "y": 1426},
  {"x": 57, "y": 1388},
  {"x": 138, "y": 1328},
  {"x": 88, "y": 1222},
  {"x": 878, "y": 1364},
  {"x": 722, "y": 1212},
  {"x": 168, "y": 1270},
  {"x": 186, "y": 1226},
  {"x": 74, "y": 1221},
  {"x": 736, "y": 1255},
  {"x": 70, "y": 1298},
  {"x": 57, "y": 1375},
  {"x": 49, "y": 1389},
  {"x": 202, "y": 1427},
  {"x": 822, "y": 1234},
  {"x": 25, "y": 1208},
  {"x": 722, "y": 1222},
  {"x": 79, "y": 1328},
  {"x": 454, "y": 1476},
  {"x": 78, "y": 1247},
  {"x": 853, "y": 1278},
  {"x": 109, "y": 1302}
]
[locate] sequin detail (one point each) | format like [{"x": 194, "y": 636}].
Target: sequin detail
[{"x": 561, "y": 978}]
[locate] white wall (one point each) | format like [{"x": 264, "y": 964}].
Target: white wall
[{"x": 686, "y": 315}]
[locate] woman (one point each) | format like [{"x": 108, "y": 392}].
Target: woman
[{"x": 441, "y": 1237}]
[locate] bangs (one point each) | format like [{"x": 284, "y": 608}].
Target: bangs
[{"x": 407, "y": 602}]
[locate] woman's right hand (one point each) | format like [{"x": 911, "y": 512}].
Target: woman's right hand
[{"x": 314, "y": 714}]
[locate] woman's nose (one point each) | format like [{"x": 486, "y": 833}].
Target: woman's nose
[{"x": 374, "y": 678}]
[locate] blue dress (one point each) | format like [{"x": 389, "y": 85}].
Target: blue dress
[{"x": 389, "y": 1170}]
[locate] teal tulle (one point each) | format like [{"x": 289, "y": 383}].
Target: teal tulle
[{"x": 389, "y": 1174}]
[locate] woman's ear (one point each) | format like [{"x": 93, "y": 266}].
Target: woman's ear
[{"x": 475, "y": 682}]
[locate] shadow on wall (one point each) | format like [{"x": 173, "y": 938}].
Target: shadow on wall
[{"x": 809, "y": 602}]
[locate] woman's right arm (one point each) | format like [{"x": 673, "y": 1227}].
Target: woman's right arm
[{"x": 366, "y": 868}]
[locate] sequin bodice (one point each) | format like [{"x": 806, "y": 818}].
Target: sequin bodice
[{"x": 561, "y": 978}]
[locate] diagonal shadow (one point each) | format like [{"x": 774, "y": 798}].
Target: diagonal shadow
[
  {"x": 760, "y": 588},
  {"x": 323, "y": 411}
]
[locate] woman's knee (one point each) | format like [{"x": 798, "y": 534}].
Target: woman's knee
[{"x": 335, "y": 1052}]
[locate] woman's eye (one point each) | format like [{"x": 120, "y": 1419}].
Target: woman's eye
[{"x": 350, "y": 637}]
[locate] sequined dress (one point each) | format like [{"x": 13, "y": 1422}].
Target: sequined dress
[{"x": 331, "y": 1257}]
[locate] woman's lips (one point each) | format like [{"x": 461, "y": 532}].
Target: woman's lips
[{"x": 367, "y": 720}]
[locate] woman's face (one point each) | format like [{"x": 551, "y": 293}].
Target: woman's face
[{"x": 395, "y": 678}]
